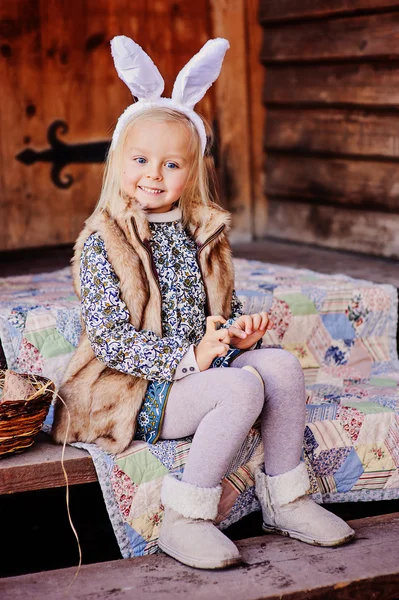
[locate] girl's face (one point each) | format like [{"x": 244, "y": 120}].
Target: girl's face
[{"x": 156, "y": 164}]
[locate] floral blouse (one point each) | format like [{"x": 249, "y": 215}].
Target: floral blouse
[{"x": 114, "y": 339}]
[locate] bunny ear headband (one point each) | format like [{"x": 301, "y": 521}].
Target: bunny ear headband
[{"x": 145, "y": 82}]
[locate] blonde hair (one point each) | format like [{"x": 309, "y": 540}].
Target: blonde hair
[{"x": 201, "y": 178}]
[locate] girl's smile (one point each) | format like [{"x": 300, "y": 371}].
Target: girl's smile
[
  {"x": 151, "y": 191},
  {"x": 156, "y": 164}
]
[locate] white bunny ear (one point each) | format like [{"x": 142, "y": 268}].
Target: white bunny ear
[
  {"x": 136, "y": 69},
  {"x": 199, "y": 73}
]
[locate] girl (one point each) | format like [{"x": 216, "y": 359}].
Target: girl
[{"x": 153, "y": 268}]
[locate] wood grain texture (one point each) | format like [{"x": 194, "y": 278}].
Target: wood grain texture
[
  {"x": 331, "y": 96},
  {"x": 352, "y": 183},
  {"x": 55, "y": 63},
  {"x": 348, "y": 38},
  {"x": 272, "y": 11},
  {"x": 364, "y": 231},
  {"x": 257, "y": 110},
  {"x": 273, "y": 568},
  {"x": 359, "y": 84},
  {"x": 233, "y": 116},
  {"x": 40, "y": 467},
  {"x": 342, "y": 132}
]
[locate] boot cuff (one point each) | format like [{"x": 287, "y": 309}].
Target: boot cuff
[
  {"x": 189, "y": 500},
  {"x": 284, "y": 488}
]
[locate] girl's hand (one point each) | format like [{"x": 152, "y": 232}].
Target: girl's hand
[
  {"x": 248, "y": 329},
  {"x": 214, "y": 343}
]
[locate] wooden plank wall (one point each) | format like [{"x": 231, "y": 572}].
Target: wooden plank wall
[
  {"x": 332, "y": 135},
  {"x": 55, "y": 64}
]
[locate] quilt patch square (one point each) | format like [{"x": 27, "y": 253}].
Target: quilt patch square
[
  {"x": 360, "y": 359},
  {"x": 299, "y": 303},
  {"x": 320, "y": 412},
  {"x": 328, "y": 462},
  {"x": 375, "y": 427},
  {"x": 338, "y": 299},
  {"x": 352, "y": 420},
  {"x": 373, "y": 480},
  {"x": 148, "y": 523},
  {"x": 392, "y": 482},
  {"x": 367, "y": 408},
  {"x": 326, "y": 484},
  {"x": 303, "y": 354},
  {"x": 136, "y": 542},
  {"x": 392, "y": 441},
  {"x": 319, "y": 341},
  {"x": 145, "y": 467},
  {"x": 300, "y": 328},
  {"x": 338, "y": 326},
  {"x": 378, "y": 348},
  {"x": 349, "y": 472},
  {"x": 330, "y": 435},
  {"x": 375, "y": 457}
]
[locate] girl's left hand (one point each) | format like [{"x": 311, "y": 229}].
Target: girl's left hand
[{"x": 248, "y": 329}]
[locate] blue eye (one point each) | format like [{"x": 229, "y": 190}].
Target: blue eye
[
  {"x": 140, "y": 160},
  {"x": 171, "y": 165}
]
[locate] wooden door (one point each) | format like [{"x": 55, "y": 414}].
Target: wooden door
[{"x": 61, "y": 97}]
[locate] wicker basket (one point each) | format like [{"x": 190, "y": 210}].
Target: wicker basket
[{"x": 21, "y": 420}]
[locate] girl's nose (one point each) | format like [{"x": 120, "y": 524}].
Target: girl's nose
[{"x": 154, "y": 172}]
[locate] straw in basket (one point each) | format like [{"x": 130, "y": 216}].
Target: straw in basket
[{"x": 21, "y": 420}]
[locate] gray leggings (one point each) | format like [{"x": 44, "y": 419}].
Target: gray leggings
[{"x": 219, "y": 406}]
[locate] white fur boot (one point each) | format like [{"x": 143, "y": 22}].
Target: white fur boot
[
  {"x": 288, "y": 511},
  {"x": 187, "y": 531}
]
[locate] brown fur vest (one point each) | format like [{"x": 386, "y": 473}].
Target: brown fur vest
[{"x": 104, "y": 403}]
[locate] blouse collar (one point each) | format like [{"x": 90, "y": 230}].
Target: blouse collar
[{"x": 166, "y": 217}]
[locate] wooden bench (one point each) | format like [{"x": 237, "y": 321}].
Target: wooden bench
[
  {"x": 40, "y": 467},
  {"x": 273, "y": 567}
]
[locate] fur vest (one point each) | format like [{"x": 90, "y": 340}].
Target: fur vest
[{"x": 103, "y": 403}]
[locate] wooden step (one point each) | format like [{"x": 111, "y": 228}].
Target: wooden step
[
  {"x": 273, "y": 567},
  {"x": 39, "y": 467}
]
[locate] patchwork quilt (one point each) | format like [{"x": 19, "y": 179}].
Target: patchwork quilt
[{"x": 342, "y": 330}]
